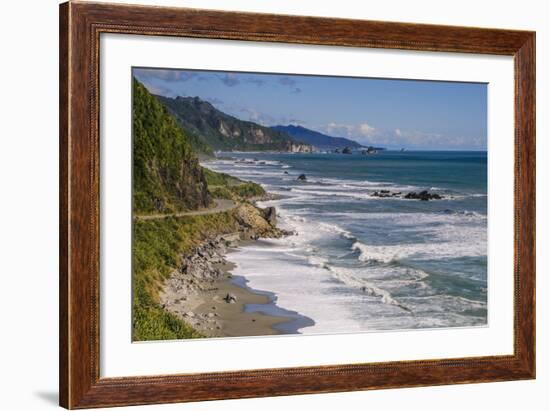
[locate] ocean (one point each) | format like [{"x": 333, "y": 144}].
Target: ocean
[{"x": 361, "y": 263}]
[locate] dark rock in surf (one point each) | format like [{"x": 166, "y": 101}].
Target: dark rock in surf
[
  {"x": 302, "y": 177},
  {"x": 423, "y": 196},
  {"x": 382, "y": 194},
  {"x": 413, "y": 195}
]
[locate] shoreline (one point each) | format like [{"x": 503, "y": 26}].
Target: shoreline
[
  {"x": 205, "y": 294},
  {"x": 350, "y": 274}
]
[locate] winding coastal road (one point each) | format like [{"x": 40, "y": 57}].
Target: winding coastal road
[{"x": 222, "y": 205}]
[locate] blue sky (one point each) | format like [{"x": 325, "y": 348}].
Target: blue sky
[{"x": 391, "y": 113}]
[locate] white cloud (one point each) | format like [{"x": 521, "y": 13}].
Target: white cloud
[
  {"x": 264, "y": 119},
  {"x": 166, "y": 75},
  {"x": 425, "y": 140},
  {"x": 158, "y": 90},
  {"x": 354, "y": 131},
  {"x": 366, "y": 134},
  {"x": 339, "y": 129},
  {"x": 256, "y": 116},
  {"x": 366, "y": 129}
]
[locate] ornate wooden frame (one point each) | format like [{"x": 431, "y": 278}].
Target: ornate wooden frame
[{"x": 80, "y": 27}]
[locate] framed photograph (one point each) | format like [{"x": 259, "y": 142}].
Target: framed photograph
[{"x": 259, "y": 205}]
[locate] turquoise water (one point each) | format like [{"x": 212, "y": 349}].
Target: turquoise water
[{"x": 362, "y": 263}]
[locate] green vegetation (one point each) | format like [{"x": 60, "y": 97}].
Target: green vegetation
[
  {"x": 167, "y": 174},
  {"x": 221, "y": 185},
  {"x": 168, "y": 179},
  {"x": 198, "y": 145},
  {"x": 157, "y": 246},
  {"x": 222, "y": 131},
  {"x": 248, "y": 189},
  {"x": 219, "y": 179}
]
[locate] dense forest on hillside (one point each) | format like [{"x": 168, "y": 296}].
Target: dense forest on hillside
[
  {"x": 167, "y": 175},
  {"x": 222, "y": 131}
]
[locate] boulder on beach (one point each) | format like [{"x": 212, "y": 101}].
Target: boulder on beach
[
  {"x": 253, "y": 219},
  {"x": 302, "y": 177},
  {"x": 230, "y": 298}
]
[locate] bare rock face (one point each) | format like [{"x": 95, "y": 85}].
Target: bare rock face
[
  {"x": 270, "y": 214},
  {"x": 223, "y": 129},
  {"x": 251, "y": 217}
]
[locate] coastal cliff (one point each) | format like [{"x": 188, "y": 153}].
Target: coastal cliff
[
  {"x": 166, "y": 171},
  {"x": 314, "y": 138},
  {"x": 220, "y": 131},
  {"x": 185, "y": 219}
]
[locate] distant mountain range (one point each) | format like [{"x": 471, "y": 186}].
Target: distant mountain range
[
  {"x": 220, "y": 131},
  {"x": 314, "y": 138}
]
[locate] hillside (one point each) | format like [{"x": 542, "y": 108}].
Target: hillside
[
  {"x": 168, "y": 179},
  {"x": 316, "y": 139},
  {"x": 224, "y": 132},
  {"x": 166, "y": 170}
]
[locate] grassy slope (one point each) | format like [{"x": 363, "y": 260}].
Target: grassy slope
[{"x": 221, "y": 185}]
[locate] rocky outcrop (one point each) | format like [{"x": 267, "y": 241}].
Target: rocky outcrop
[
  {"x": 300, "y": 148},
  {"x": 201, "y": 266},
  {"x": 198, "y": 270},
  {"x": 370, "y": 150},
  {"x": 424, "y": 195},
  {"x": 201, "y": 269},
  {"x": 256, "y": 222},
  {"x": 270, "y": 214},
  {"x": 386, "y": 193}
]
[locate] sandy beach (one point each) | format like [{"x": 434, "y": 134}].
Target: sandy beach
[{"x": 217, "y": 304}]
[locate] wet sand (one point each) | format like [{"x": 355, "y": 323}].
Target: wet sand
[{"x": 211, "y": 313}]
